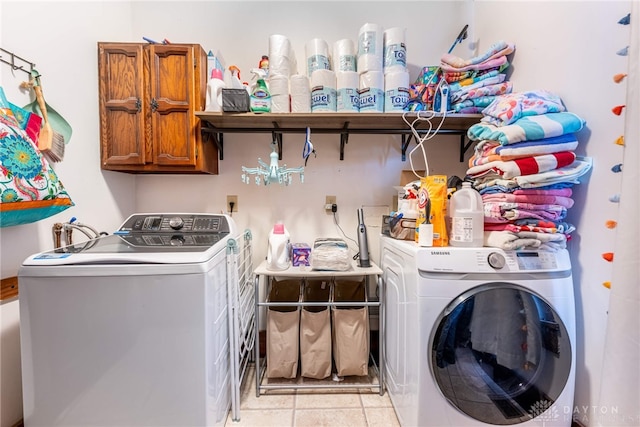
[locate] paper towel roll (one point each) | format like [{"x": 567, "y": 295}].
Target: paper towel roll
[
  {"x": 344, "y": 56},
  {"x": 300, "y": 91},
  {"x": 370, "y": 48},
  {"x": 279, "y": 89},
  {"x": 371, "y": 92},
  {"x": 395, "y": 50},
  {"x": 317, "y": 54},
  {"x": 396, "y": 91},
  {"x": 282, "y": 60},
  {"x": 323, "y": 91},
  {"x": 348, "y": 99}
]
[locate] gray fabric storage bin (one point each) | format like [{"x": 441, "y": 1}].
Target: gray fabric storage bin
[
  {"x": 350, "y": 329},
  {"x": 283, "y": 326},
  {"x": 315, "y": 331}
]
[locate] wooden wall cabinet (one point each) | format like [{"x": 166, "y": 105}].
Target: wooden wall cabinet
[{"x": 149, "y": 94}]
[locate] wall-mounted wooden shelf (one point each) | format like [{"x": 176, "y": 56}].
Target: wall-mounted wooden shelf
[{"x": 217, "y": 124}]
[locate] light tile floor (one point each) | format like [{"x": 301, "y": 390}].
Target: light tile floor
[{"x": 313, "y": 408}]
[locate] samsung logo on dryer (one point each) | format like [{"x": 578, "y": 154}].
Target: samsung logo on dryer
[{"x": 440, "y": 253}]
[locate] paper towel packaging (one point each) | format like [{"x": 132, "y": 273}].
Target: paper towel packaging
[
  {"x": 323, "y": 91},
  {"x": 370, "y": 48},
  {"x": 279, "y": 89},
  {"x": 317, "y": 55},
  {"x": 344, "y": 56},
  {"x": 395, "y": 51},
  {"x": 396, "y": 91},
  {"x": 282, "y": 59},
  {"x": 348, "y": 99},
  {"x": 371, "y": 92},
  {"x": 300, "y": 93}
]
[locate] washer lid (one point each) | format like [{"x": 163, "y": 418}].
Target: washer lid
[{"x": 148, "y": 238}]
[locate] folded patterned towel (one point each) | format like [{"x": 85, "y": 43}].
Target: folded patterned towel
[
  {"x": 570, "y": 174},
  {"x": 456, "y": 86},
  {"x": 567, "y": 202},
  {"x": 511, "y": 241},
  {"x": 458, "y": 76},
  {"x": 528, "y": 128},
  {"x": 491, "y": 90},
  {"x": 479, "y": 103},
  {"x": 487, "y": 150},
  {"x": 501, "y": 212},
  {"x": 506, "y": 109},
  {"x": 498, "y": 49},
  {"x": 486, "y": 65},
  {"x": 514, "y": 228},
  {"x": 562, "y": 192},
  {"x": 524, "y": 166},
  {"x": 481, "y": 82}
]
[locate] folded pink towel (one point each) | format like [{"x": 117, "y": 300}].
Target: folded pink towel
[
  {"x": 538, "y": 199},
  {"x": 498, "y": 49},
  {"x": 491, "y": 63}
]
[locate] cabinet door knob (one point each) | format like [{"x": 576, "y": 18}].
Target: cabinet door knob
[
  {"x": 154, "y": 105},
  {"x": 138, "y": 105}
]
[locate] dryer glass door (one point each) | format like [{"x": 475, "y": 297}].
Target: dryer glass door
[{"x": 500, "y": 354}]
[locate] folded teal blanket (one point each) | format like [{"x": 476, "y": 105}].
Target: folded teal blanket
[{"x": 528, "y": 128}]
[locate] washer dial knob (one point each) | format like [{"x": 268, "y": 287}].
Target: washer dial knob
[
  {"x": 176, "y": 223},
  {"x": 496, "y": 260}
]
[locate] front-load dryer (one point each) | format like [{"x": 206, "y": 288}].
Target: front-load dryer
[{"x": 488, "y": 335}]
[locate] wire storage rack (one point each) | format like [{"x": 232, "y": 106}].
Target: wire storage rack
[{"x": 242, "y": 325}]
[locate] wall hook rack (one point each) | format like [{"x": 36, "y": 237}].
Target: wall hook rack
[{"x": 16, "y": 62}]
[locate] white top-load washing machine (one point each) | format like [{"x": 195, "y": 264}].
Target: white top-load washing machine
[
  {"x": 478, "y": 336},
  {"x": 129, "y": 329}
]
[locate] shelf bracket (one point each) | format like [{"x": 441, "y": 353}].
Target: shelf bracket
[
  {"x": 344, "y": 139},
  {"x": 210, "y": 133},
  {"x": 464, "y": 147},
  {"x": 406, "y": 140},
  {"x": 277, "y": 137}
]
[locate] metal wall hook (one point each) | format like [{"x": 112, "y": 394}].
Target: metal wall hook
[{"x": 17, "y": 66}]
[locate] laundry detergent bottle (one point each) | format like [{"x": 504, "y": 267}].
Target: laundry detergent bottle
[
  {"x": 467, "y": 218},
  {"x": 278, "y": 252},
  {"x": 214, "y": 91}
]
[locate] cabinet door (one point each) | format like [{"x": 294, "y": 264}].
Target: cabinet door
[
  {"x": 173, "y": 122},
  {"x": 123, "y": 140}
]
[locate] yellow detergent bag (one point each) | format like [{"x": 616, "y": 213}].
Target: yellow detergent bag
[{"x": 432, "y": 207}]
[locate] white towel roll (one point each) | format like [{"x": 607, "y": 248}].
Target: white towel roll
[
  {"x": 323, "y": 91},
  {"x": 282, "y": 59},
  {"x": 279, "y": 89},
  {"x": 344, "y": 56},
  {"x": 317, "y": 54},
  {"x": 300, "y": 91},
  {"x": 395, "y": 50},
  {"x": 396, "y": 91},
  {"x": 372, "y": 92},
  {"x": 370, "y": 48},
  {"x": 348, "y": 100}
]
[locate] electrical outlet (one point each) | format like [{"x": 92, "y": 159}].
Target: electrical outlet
[
  {"x": 329, "y": 201},
  {"x": 234, "y": 200}
]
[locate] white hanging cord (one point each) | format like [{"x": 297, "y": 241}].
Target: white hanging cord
[{"x": 430, "y": 133}]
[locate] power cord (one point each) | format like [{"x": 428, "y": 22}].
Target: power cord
[
  {"x": 335, "y": 221},
  {"x": 231, "y": 205}
]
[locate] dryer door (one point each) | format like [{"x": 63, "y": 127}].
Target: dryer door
[{"x": 500, "y": 354}]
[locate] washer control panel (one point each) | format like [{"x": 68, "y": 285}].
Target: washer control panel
[
  {"x": 167, "y": 223},
  {"x": 490, "y": 260}
]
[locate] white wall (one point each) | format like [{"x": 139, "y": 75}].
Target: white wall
[
  {"x": 60, "y": 38},
  {"x": 570, "y": 48},
  {"x": 566, "y": 47}
]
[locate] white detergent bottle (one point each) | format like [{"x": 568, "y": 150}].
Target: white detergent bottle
[
  {"x": 278, "y": 252},
  {"x": 214, "y": 91},
  {"x": 467, "y": 217}
]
